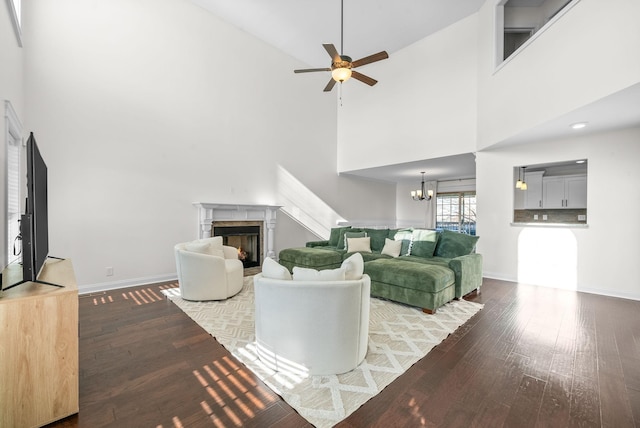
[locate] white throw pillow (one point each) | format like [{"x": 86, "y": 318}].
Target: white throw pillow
[
  {"x": 273, "y": 270},
  {"x": 391, "y": 248},
  {"x": 215, "y": 248},
  {"x": 197, "y": 247},
  {"x": 353, "y": 266},
  {"x": 305, "y": 274},
  {"x": 359, "y": 244}
]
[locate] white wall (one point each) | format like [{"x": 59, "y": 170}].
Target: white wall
[
  {"x": 423, "y": 107},
  {"x": 141, "y": 108},
  {"x": 607, "y": 254},
  {"x": 11, "y": 88},
  {"x": 587, "y": 54}
]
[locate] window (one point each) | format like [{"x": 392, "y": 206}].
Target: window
[
  {"x": 13, "y": 139},
  {"x": 456, "y": 211}
]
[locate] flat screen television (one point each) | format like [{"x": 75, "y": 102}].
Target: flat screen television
[
  {"x": 34, "y": 223},
  {"x": 37, "y": 213}
]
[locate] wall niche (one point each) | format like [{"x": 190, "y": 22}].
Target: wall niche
[{"x": 551, "y": 193}]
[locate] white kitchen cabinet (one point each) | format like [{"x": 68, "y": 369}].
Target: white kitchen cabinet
[
  {"x": 533, "y": 194},
  {"x": 569, "y": 191}
]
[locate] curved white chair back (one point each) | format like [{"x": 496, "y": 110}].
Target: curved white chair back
[
  {"x": 312, "y": 327},
  {"x": 207, "y": 277}
]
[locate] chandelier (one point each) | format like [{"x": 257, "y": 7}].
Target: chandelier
[{"x": 419, "y": 195}]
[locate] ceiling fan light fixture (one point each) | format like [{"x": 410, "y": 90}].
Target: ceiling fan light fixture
[{"x": 341, "y": 74}]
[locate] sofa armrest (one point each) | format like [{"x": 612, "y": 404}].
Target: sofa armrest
[
  {"x": 312, "y": 244},
  {"x": 468, "y": 272}
]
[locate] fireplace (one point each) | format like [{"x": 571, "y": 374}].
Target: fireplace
[
  {"x": 212, "y": 216},
  {"x": 246, "y": 236}
]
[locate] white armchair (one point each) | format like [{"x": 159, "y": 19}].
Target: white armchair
[
  {"x": 208, "y": 270},
  {"x": 312, "y": 327}
]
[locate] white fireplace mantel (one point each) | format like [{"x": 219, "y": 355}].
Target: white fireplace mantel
[{"x": 210, "y": 212}]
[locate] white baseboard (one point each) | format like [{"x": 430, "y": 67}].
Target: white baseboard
[
  {"x": 114, "y": 285},
  {"x": 590, "y": 290}
]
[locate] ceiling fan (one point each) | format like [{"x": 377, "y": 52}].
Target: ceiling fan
[{"x": 342, "y": 67}]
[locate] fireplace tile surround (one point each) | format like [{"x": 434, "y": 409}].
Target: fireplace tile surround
[{"x": 236, "y": 214}]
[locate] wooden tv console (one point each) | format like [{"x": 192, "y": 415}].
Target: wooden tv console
[{"x": 39, "y": 347}]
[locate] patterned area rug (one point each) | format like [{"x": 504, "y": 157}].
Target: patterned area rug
[{"x": 399, "y": 336}]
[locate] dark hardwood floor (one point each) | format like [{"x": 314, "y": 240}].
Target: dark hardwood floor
[{"x": 533, "y": 357}]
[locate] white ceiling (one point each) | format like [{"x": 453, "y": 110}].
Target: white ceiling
[{"x": 300, "y": 27}]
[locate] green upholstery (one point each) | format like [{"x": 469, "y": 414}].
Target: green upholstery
[
  {"x": 312, "y": 244},
  {"x": 468, "y": 272},
  {"x": 377, "y": 238},
  {"x": 404, "y": 235},
  {"x": 314, "y": 258},
  {"x": 341, "y": 235},
  {"x": 335, "y": 235},
  {"x": 367, "y": 257},
  {"x": 423, "y": 242},
  {"x": 442, "y": 266},
  {"x": 454, "y": 244},
  {"x": 424, "y": 285}
]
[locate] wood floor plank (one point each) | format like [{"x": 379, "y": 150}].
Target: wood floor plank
[{"x": 533, "y": 355}]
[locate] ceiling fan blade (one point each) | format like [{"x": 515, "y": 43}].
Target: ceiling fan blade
[
  {"x": 369, "y": 59},
  {"x": 364, "y": 79},
  {"x": 331, "y": 50},
  {"x": 329, "y": 86},
  {"x": 311, "y": 70}
]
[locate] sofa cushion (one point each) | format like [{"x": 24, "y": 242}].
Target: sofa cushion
[
  {"x": 197, "y": 247},
  {"x": 440, "y": 261},
  {"x": 319, "y": 258},
  {"x": 335, "y": 235},
  {"x": 306, "y": 274},
  {"x": 273, "y": 270},
  {"x": 351, "y": 233},
  {"x": 404, "y": 235},
  {"x": 423, "y": 242},
  {"x": 454, "y": 244},
  {"x": 359, "y": 244},
  {"x": 422, "y": 277},
  {"x": 353, "y": 266},
  {"x": 374, "y": 256},
  {"x": 377, "y": 238},
  {"x": 391, "y": 247}
]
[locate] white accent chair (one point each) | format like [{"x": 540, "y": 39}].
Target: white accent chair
[
  {"x": 312, "y": 327},
  {"x": 208, "y": 270}
]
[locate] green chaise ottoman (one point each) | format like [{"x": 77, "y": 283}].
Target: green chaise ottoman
[
  {"x": 314, "y": 258},
  {"x": 416, "y": 284}
]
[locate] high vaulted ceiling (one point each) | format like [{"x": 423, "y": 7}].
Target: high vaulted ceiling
[{"x": 300, "y": 27}]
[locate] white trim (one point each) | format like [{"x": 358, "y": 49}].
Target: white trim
[
  {"x": 589, "y": 290},
  {"x": 208, "y": 212},
  {"x": 15, "y": 18},
  {"x": 499, "y": 29},
  {"x": 114, "y": 285}
]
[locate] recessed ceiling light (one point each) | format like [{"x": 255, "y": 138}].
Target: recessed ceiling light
[
  {"x": 580, "y": 161},
  {"x": 579, "y": 125}
]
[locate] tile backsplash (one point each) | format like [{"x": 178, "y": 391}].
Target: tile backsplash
[{"x": 566, "y": 216}]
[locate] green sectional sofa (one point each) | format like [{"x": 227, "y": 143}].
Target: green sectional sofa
[{"x": 418, "y": 267}]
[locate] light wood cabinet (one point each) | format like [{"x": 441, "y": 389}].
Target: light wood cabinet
[
  {"x": 39, "y": 348},
  {"x": 565, "y": 192}
]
